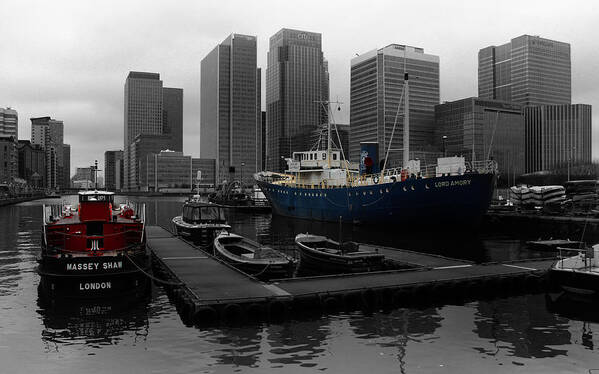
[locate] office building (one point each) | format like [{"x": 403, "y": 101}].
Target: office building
[
  {"x": 172, "y": 112},
  {"x": 168, "y": 171},
  {"x": 32, "y": 163},
  {"x": 529, "y": 70},
  {"x": 296, "y": 84},
  {"x": 142, "y": 146},
  {"x": 9, "y": 122},
  {"x": 48, "y": 133},
  {"x": 557, "y": 136},
  {"x": 111, "y": 169},
  {"x": 377, "y": 80},
  {"x": 9, "y": 157},
  {"x": 66, "y": 166},
  {"x": 263, "y": 142},
  {"x": 479, "y": 130},
  {"x": 150, "y": 109},
  {"x": 231, "y": 115},
  {"x": 143, "y": 113},
  {"x": 207, "y": 166}
]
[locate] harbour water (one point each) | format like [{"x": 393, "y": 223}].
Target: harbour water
[{"x": 532, "y": 333}]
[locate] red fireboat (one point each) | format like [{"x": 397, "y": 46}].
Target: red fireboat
[{"x": 94, "y": 251}]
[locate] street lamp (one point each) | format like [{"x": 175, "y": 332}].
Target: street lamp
[{"x": 444, "y": 150}]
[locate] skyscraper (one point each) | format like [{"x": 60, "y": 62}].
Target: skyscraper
[
  {"x": 172, "y": 121},
  {"x": 231, "y": 115},
  {"x": 557, "y": 136},
  {"x": 49, "y": 134},
  {"x": 111, "y": 163},
  {"x": 529, "y": 70},
  {"x": 150, "y": 109},
  {"x": 377, "y": 80},
  {"x": 9, "y": 122},
  {"x": 65, "y": 170},
  {"x": 143, "y": 113},
  {"x": 483, "y": 129},
  {"x": 296, "y": 81}
]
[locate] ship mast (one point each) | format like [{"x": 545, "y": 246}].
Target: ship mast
[
  {"x": 329, "y": 133},
  {"x": 406, "y": 122}
]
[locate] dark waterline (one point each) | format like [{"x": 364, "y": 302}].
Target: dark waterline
[{"x": 529, "y": 333}]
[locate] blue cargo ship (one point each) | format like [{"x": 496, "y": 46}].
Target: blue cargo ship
[
  {"x": 456, "y": 198},
  {"x": 322, "y": 185}
]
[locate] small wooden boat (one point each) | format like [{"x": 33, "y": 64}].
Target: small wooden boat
[
  {"x": 580, "y": 273},
  {"x": 200, "y": 221},
  {"x": 252, "y": 258},
  {"x": 319, "y": 252},
  {"x": 554, "y": 244}
]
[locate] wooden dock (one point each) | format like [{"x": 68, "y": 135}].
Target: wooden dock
[{"x": 207, "y": 290}]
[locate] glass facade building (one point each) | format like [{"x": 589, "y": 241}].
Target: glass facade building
[
  {"x": 172, "y": 116},
  {"x": 377, "y": 80},
  {"x": 143, "y": 114},
  {"x": 557, "y": 135},
  {"x": 111, "y": 163},
  {"x": 231, "y": 114},
  {"x": 296, "y": 81},
  {"x": 483, "y": 129},
  {"x": 150, "y": 109},
  {"x": 168, "y": 171},
  {"x": 529, "y": 70}
]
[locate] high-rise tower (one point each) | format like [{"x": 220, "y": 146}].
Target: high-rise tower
[
  {"x": 296, "y": 83},
  {"x": 231, "y": 115}
]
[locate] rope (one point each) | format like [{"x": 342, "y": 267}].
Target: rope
[
  {"x": 151, "y": 276},
  {"x": 261, "y": 272}
]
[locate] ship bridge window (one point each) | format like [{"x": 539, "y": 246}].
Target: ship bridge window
[
  {"x": 212, "y": 213},
  {"x": 334, "y": 156},
  {"x": 311, "y": 156}
]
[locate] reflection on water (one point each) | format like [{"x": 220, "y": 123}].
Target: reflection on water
[
  {"x": 529, "y": 333},
  {"x": 524, "y": 324}
]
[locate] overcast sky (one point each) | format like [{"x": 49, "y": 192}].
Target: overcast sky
[{"x": 69, "y": 59}]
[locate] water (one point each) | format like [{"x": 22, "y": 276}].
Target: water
[{"x": 524, "y": 334}]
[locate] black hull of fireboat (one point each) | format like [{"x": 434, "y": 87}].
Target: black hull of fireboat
[{"x": 94, "y": 277}]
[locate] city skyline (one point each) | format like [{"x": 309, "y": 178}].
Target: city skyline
[{"x": 96, "y": 74}]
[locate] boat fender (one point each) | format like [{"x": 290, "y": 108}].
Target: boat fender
[
  {"x": 205, "y": 315},
  {"x": 232, "y": 313},
  {"x": 254, "y": 312},
  {"x": 368, "y": 297},
  {"x": 276, "y": 310},
  {"x": 387, "y": 296},
  {"x": 400, "y": 297},
  {"x": 330, "y": 304},
  {"x": 350, "y": 300},
  {"x": 187, "y": 312},
  {"x": 532, "y": 282}
]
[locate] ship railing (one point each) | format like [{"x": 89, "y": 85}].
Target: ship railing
[
  {"x": 428, "y": 171},
  {"x": 57, "y": 240}
]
